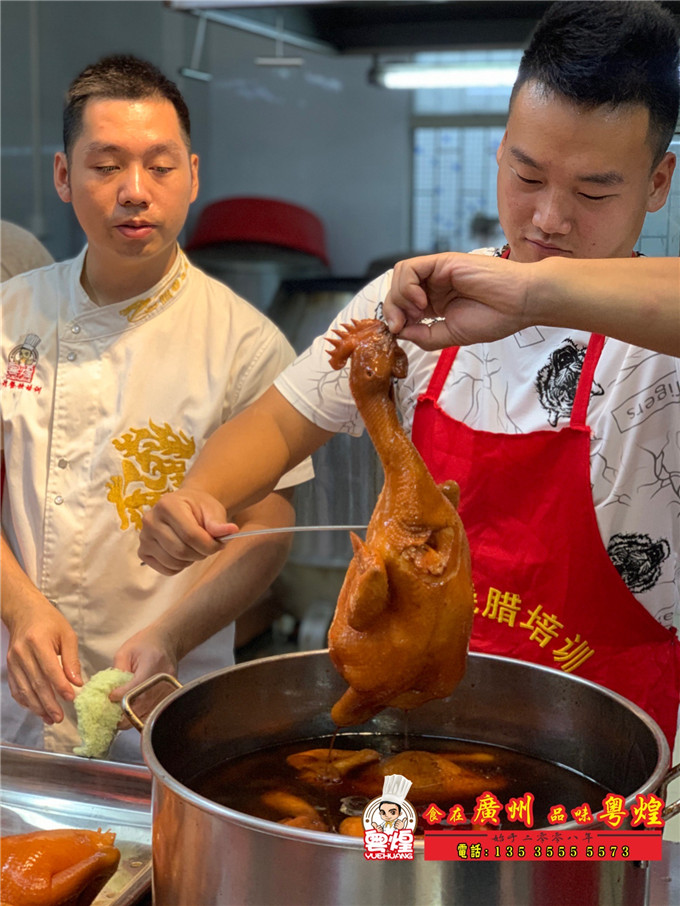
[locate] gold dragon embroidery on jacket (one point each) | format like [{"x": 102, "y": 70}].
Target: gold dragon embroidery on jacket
[{"x": 154, "y": 461}]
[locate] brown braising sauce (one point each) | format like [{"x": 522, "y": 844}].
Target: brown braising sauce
[{"x": 240, "y": 783}]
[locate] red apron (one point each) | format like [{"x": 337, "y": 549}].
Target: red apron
[{"x": 546, "y": 589}]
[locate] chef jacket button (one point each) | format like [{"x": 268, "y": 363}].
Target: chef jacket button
[
  {"x": 71, "y": 356},
  {"x": 58, "y": 500},
  {"x": 62, "y": 463},
  {"x": 75, "y": 328}
]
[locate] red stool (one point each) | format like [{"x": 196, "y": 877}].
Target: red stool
[{"x": 260, "y": 220}]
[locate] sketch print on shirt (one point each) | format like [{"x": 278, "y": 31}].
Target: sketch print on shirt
[
  {"x": 557, "y": 381},
  {"x": 638, "y": 559},
  {"x": 636, "y": 556}
]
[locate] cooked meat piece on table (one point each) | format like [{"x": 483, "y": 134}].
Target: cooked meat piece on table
[{"x": 56, "y": 867}]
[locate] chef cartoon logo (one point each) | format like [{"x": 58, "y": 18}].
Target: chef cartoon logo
[
  {"x": 389, "y": 822},
  {"x": 22, "y": 362}
]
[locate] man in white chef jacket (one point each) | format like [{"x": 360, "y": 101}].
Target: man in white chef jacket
[{"x": 116, "y": 367}]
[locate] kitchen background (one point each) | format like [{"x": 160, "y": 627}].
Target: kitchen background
[
  {"x": 286, "y": 109},
  {"x": 386, "y": 172}
]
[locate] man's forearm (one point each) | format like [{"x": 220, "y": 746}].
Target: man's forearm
[
  {"x": 635, "y": 300},
  {"x": 17, "y": 592},
  {"x": 42, "y": 657},
  {"x": 245, "y": 458}
]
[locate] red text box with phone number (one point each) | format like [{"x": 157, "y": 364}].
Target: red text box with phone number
[{"x": 542, "y": 846}]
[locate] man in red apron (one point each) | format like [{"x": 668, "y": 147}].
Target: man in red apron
[
  {"x": 547, "y": 590},
  {"x": 524, "y": 498},
  {"x": 583, "y": 159}
]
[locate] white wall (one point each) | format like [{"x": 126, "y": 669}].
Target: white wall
[
  {"x": 320, "y": 136},
  {"x": 68, "y": 36}
]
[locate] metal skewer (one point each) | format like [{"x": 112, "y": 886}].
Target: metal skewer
[{"x": 291, "y": 528}]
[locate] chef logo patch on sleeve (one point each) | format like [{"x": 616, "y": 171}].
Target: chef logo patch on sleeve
[
  {"x": 21, "y": 364},
  {"x": 154, "y": 461}
]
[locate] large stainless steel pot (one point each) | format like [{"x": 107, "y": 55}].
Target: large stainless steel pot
[{"x": 207, "y": 855}]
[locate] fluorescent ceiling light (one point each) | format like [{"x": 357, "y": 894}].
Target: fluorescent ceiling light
[{"x": 420, "y": 75}]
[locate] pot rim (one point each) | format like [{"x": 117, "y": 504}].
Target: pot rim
[{"x": 326, "y": 838}]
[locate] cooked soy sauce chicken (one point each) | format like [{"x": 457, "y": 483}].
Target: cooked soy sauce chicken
[
  {"x": 330, "y": 765},
  {"x": 298, "y": 812},
  {"x": 432, "y": 774},
  {"x": 56, "y": 867},
  {"x": 404, "y": 614},
  {"x": 357, "y": 776}
]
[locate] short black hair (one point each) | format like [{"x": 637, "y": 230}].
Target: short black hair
[
  {"x": 120, "y": 77},
  {"x": 609, "y": 52},
  {"x": 389, "y": 802}
]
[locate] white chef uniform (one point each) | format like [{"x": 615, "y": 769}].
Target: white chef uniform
[{"x": 103, "y": 410}]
